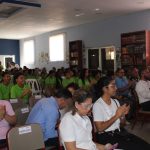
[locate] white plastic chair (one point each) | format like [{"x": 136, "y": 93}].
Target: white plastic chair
[{"x": 35, "y": 86}]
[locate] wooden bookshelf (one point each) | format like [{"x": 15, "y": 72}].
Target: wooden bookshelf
[
  {"x": 135, "y": 49},
  {"x": 75, "y": 54}
]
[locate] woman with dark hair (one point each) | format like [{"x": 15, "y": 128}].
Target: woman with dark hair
[
  {"x": 5, "y": 86},
  {"x": 84, "y": 81},
  {"x": 108, "y": 115},
  {"x": 75, "y": 127},
  {"x": 20, "y": 90}
]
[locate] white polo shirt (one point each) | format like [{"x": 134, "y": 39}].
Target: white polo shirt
[
  {"x": 143, "y": 91},
  {"x": 104, "y": 112},
  {"x": 78, "y": 129}
]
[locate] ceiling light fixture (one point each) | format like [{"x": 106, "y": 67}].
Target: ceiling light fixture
[
  {"x": 80, "y": 14},
  {"x": 96, "y": 9}
]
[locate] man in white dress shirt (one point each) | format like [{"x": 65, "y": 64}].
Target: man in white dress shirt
[{"x": 143, "y": 90}]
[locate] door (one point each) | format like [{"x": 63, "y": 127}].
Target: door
[
  {"x": 107, "y": 57},
  {"x": 93, "y": 58},
  {"x": 8, "y": 60}
]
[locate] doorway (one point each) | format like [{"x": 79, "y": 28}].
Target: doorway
[
  {"x": 93, "y": 59},
  {"x": 108, "y": 62},
  {"x": 6, "y": 58}
]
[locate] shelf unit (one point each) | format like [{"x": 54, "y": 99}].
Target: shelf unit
[
  {"x": 135, "y": 49},
  {"x": 75, "y": 54}
]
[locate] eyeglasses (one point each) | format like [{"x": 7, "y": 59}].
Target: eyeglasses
[
  {"x": 86, "y": 106},
  {"x": 111, "y": 85}
]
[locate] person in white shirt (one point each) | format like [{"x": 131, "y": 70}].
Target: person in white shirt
[
  {"x": 75, "y": 127},
  {"x": 108, "y": 115},
  {"x": 143, "y": 90}
]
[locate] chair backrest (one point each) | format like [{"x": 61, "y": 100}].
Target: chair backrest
[
  {"x": 34, "y": 85},
  {"x": 136, "y": 99},
  {"x": 22, "y": 115},
  {"x": 28, "y": 137},
  {"x": 16, "y": 103}
]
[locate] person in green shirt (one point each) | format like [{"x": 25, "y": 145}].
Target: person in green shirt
[
  {"x": 5, "y": 86},
  {"x": 20, "y": 90},
  {"x": 85, "y": 82},
  {"x": 50, "y": 80},
  {"x": 68, "y": 79}
]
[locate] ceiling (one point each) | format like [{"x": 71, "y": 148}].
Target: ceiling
[{"x": 57, "y": 14}]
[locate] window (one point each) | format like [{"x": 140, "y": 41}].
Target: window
[
  {"x": 28, "y": 52},
  {"x": 57, "y": 47}
]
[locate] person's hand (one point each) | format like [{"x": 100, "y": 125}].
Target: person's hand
[
  {"x": 26, "y": 91},
  {"x": 2, "y": 112},
  {"x": 109, "y": 146},
  {"x": 121, "y": 111}
]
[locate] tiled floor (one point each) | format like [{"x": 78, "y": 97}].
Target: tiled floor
[{"x": 142, "y": 132}]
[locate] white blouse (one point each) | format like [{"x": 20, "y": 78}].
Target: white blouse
[
  {"x": 79, "y": 129},
  {"x": 104, "y": 112}
]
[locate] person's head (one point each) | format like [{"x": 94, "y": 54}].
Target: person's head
[
  {"x": 67, "y": 73},
  {"x": 72, "y": 87},
  {"x": 6, "y": 78},
  {"x": 120, "y": 72},
  {"x": 145, "y": 74},
  {"x": 63, "y": 97},
  {"x": 135, "y": 73},
  {"x": 106, "y": 86},
  {"x": 82, "y": 102},
  {"x": 96, "y": 74},
  {"x": 51, "y": 73},
  {"x": 84, "y": 73},
  {"x": 19, "y": 79}
]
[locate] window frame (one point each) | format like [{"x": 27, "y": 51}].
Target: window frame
[
  {"x": 64, "y": 47},
  {"x": 29, "y": 63}
]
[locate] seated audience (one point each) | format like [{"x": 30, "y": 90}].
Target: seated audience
[
  {"x": 5, "y": 86},
  {"x": 75, "y": 127},
  {"x": 46, "y": 113},
  {"x": 122, "y": 83},
  {"x": 20, "y": 90},
  {"x": 143, "y": 90},
  {"x": 67, "y": 79},
  {"x": 72, "y": 87},
  {"x": 85, "y": 80},
  {"x": 7, "y": 119},
  {"x": 108, "y": 115}
]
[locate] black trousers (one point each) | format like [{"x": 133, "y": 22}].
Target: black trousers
[
  {"x": 3, "y": 143},
  {"x": 125, "y": 140},
  {"x": 145, "y": 106},
  {"x": 52, "y": 142}
]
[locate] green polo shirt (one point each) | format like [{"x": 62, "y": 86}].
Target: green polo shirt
[
  {"x": 50, "y": 81},
  {"x": 17, "y": 91},
  {"x": 5, "y": 91},
  {"x": 66, "y": 82}
]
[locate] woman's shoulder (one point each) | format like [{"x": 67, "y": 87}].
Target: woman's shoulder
[{"x": 97, "y": 102}]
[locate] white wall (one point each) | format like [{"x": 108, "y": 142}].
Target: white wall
[{"x": 96, "y": 34}]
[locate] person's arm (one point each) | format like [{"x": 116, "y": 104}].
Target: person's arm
[
  {"x": 103, "y": 125},
  {"x": 71, "y": 146},
  {"x": 10, "y": 119},
  {"x": 100, "y": 146},
  {"x": 8, "y": 114},
  {"x": 26, "y": 91}
]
